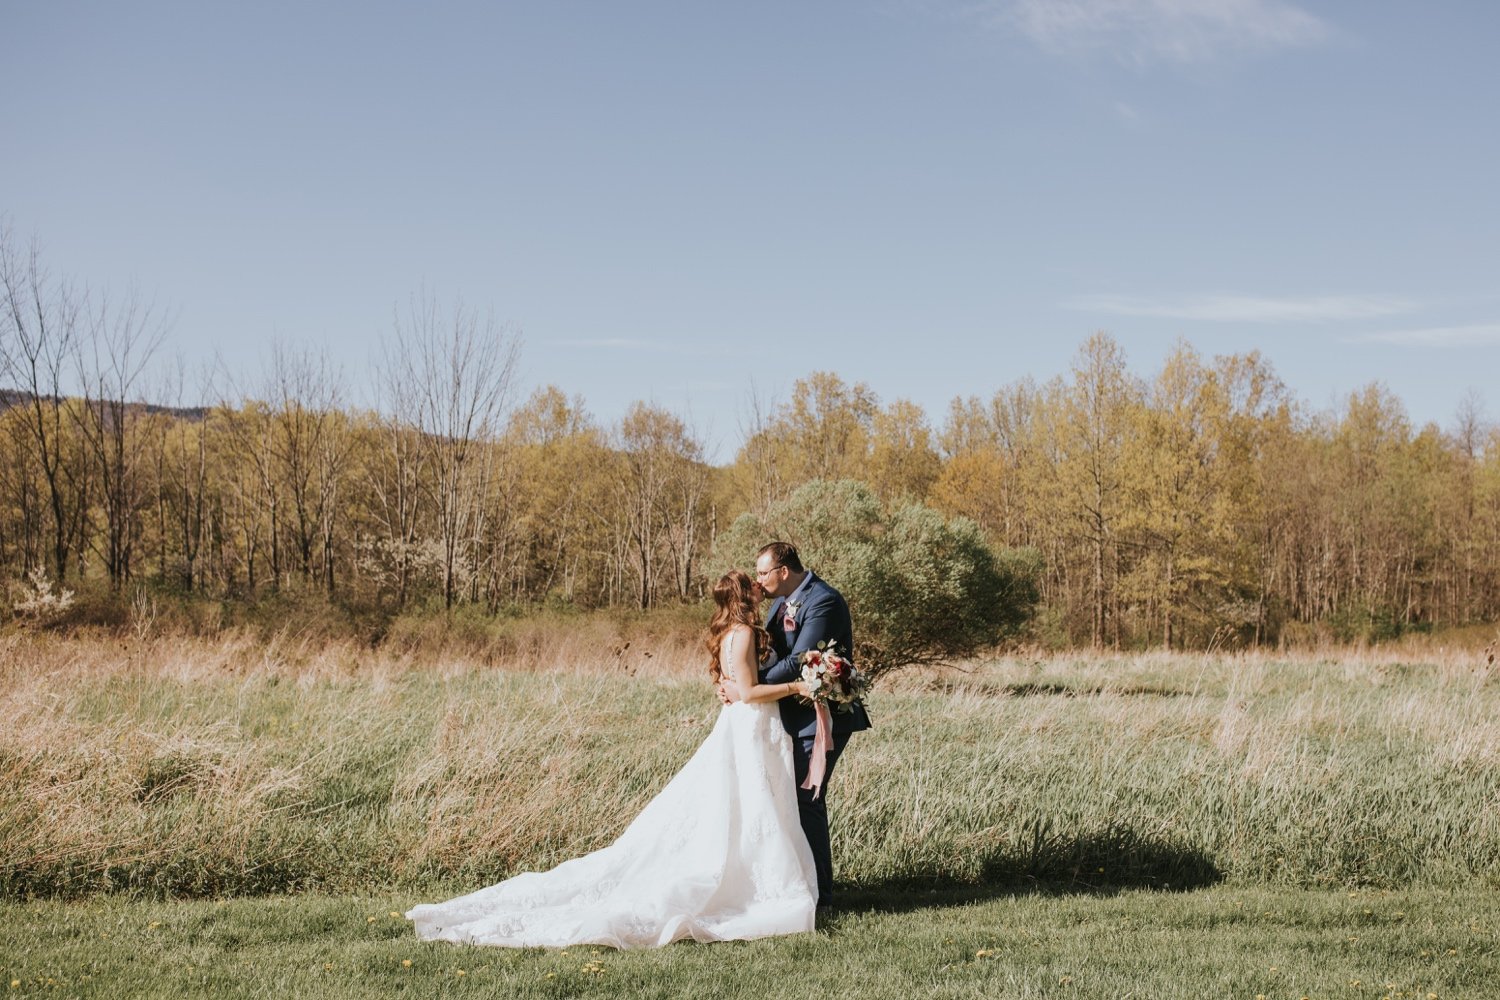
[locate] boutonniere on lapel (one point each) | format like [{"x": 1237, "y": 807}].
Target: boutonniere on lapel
[{"x": 789, "y": 615}]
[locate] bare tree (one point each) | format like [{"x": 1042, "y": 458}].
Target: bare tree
[
  {"x": 309, "y": 442},
  {"x": 40, "y": 321},
  {"x": 661, "y": 486},
  {"x": 395, "y": 479},
  {"x": 182, "y": 460},
  {"x": 111, "y": 357},
  {"x": 461, "y": 368}
]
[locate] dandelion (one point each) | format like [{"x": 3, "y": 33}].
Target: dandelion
[
  {"x": 461, "y": 972},
  {"x": 395, "y": 915},
  {"x": 15, "y": 984},
  {"x": 406, "y": 963},
  {"x": 369, "y": 920}
]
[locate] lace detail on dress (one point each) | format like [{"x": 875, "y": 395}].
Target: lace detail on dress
[{"x": 718, "y": 854}]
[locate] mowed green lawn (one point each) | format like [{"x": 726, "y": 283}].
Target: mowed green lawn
[
  {"x": 181, "y": 821},
  {"x": 1219, "y": 942}
]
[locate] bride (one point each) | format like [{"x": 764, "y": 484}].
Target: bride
[{"x": 718, "y": 855}]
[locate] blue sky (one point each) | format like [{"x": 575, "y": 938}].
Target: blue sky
[{"x": 681, "y": 201}]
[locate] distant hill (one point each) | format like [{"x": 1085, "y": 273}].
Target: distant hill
[{"x": 16, "y": 397}]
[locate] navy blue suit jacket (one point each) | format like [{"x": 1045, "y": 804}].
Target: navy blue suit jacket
[{"x": 822, "y": 618}]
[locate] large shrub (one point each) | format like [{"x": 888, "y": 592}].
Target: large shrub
[{"x": 922, "y": 588}]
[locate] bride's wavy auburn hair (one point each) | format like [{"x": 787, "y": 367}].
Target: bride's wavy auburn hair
[{"x": 734, "y": 596}]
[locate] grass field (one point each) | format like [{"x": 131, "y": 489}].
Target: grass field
[
  {"x": 1219, "y": 942},
  {"x": 1141, "y": 826}
]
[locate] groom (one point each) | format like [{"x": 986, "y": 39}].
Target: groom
[{"x": 806, "y": 612}]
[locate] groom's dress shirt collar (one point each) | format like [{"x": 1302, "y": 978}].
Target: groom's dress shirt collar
[{"x": 799, "y": 596}]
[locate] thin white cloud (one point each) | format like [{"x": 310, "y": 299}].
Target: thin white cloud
[
  {"x": 1471, "y": 335},
  {"x": 1248, "y": 308},
  {"x": 1145, "y": 31}
]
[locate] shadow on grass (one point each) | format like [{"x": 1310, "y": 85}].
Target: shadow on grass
[{"x": 1101, "y": 862}]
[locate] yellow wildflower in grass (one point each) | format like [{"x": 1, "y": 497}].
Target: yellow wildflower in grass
[
  {"x": 406, "y": 963},
  {"x": 15, "y": 984},
  {"x": 460, "y": 972},
  {"x": 369, "y": 920},
  {"x": 395, "y": 915},
  {"x": 153, "y": 925}
]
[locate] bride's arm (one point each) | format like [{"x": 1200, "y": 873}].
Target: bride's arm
[{"x": 741, "y": 669}]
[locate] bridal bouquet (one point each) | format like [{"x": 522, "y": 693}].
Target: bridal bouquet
[{"x": 831, "y": 678}]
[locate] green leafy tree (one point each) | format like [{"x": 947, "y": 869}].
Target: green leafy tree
[{"x": 922, "y": 588}]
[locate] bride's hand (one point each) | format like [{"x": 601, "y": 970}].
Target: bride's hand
[
  {"x": 729, "y": 691},
  {"x": 800, "y": 689}
]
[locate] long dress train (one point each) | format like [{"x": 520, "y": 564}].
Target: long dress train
[{"x": 718, "y": 855}]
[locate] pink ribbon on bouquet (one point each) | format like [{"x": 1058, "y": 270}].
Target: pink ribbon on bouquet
[{"x": 817, "y": 765}]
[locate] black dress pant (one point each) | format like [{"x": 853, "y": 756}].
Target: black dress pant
[{"x": 814, "y": 812}]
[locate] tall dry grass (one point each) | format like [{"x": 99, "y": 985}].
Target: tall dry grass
[{"x": 194, "y": 767}]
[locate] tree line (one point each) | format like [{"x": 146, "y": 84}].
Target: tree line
[{"x": 1200, "y": 505}]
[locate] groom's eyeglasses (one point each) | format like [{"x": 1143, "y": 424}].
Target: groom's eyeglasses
[{"x": 767, "y": 571}]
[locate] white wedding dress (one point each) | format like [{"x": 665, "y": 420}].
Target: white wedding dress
[{"x": 718, "y": 855}]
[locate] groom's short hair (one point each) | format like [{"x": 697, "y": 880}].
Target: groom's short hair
[{"x": 784, "y": 554}]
